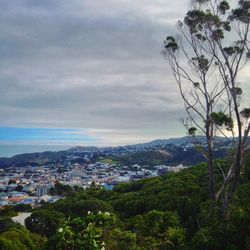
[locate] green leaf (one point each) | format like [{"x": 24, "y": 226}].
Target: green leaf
[
  {"x": 223, "y": 7},
  {"x": 245, "y": 113},
  {"x": 192, "y": 130},
  {"x": 222, "y": 119}
]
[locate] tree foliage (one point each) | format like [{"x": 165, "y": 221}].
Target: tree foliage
[{"x": 44, "y": 222}]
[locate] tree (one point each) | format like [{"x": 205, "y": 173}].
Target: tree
[
  {"x": 8, "y": 210},
  {"x": 78, "y": 206},
  {"x": 206, "y": 58},
  {"x": 44, "y": 222},
  {"x": 118, "y": 239},
  {"x": 83, "y": 232},
  {"x": 23, "y": 208},
  {"x": 11, "y": 181},
  {"x": 6, "y": 223},
  {"x": 19, "y": 188},
  {"x": 18, "y": 238},
  {"x": 156, "y": 222},
  {"x": 60, "y": 189}
]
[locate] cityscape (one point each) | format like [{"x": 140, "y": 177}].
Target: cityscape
[
  {"x": 30, "y": 179},
  {"x": 32, "y": 184}
]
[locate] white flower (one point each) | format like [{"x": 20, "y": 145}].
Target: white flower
[
  {"x": 89, "y": 212},
  {"x": 60, "y": 230}
]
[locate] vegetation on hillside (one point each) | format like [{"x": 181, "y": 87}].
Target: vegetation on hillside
[{"x": 170, "y": 212}]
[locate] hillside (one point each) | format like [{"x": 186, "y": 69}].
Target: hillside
[
  {"x": 177, "y": 151},
  {"x": 166, "y": 156},
  {"x": 170, "y": 212}
]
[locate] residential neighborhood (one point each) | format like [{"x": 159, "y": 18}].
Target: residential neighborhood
[{"x": 31, "y": 185}]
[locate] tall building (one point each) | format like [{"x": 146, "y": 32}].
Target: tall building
[{"x": 43, "y": 189}]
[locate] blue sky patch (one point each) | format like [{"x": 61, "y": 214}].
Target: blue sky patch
[{"x": 50, "y": 135}]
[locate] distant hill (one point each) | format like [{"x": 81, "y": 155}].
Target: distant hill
[
  {"x": 145, "y": 153},
  {"x": 168, "y": 156},
  {"x": 32, "y": 159},
  {"x": 82, "y": 149},
  {"x": 150, "y": 158},
  {"x": 175, "y": 141},
  {"x": 179, "y": 141}
]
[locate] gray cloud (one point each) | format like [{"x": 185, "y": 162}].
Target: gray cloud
[{"x": 94, "y": 65}]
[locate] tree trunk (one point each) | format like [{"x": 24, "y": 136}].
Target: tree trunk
[{"x": 211, "y": 169}]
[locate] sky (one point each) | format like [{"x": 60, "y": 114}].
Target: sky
[{"x": 87, "y": 72}]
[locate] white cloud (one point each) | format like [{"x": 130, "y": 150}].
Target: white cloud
[{"x": 90, "y": 64}]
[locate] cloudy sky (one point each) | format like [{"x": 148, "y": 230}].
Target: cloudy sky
[{"x": 87, "y": 72}]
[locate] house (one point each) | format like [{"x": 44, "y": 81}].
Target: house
[
  {"x": 15, "y": 197},
  {"x": 4, "y": 200}
]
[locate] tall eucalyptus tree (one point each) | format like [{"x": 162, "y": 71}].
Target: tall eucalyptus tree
[{"x": 206, "y": 57}]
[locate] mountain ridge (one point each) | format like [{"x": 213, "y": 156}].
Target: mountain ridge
[{"x": 79, "y": 151}]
